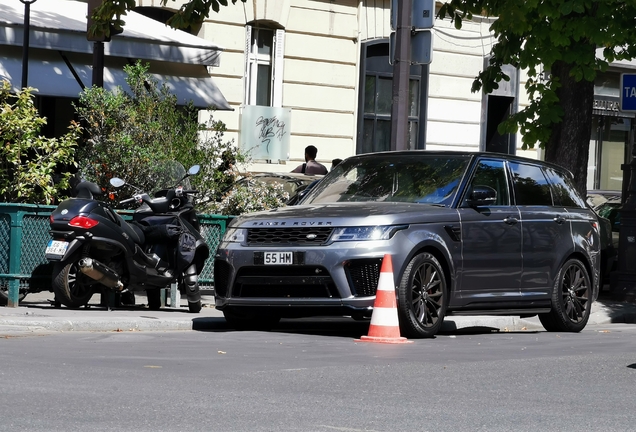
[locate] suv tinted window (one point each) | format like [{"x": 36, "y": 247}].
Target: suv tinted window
[
  {"x": 492, "y": 174},
  {"x": 564, "y": 192},
  {"x": 531, "y": 186}
]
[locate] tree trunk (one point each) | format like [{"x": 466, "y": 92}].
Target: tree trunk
[{"x": 569, "y": 142}]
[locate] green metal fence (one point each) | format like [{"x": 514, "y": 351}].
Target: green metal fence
[{"x": 24, "y": 233}]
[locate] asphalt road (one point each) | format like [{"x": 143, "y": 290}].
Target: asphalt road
[{"x": 310, "y": 375}]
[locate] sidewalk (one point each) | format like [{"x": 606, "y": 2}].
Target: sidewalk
[{"x": 37, "y": 314}]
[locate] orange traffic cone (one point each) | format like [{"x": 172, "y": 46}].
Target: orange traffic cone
[{"x": 384, "y": 327}]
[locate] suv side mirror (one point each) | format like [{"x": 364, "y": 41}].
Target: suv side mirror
[{"x": 482, "y": 196}]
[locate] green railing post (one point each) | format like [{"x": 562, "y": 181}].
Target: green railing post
[{"x": 14, "y": 258}]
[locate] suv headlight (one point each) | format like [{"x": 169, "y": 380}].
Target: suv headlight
[
  {"x": 235, "y": 235},
  {"x": 366, "y": 233}
]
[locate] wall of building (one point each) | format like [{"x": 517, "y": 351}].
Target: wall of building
[{"x": 321, "y": 72}]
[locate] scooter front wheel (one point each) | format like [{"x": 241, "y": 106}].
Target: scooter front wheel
[
  {"x": 4, "y": 294},
  {"x": 72, "y": 288}
]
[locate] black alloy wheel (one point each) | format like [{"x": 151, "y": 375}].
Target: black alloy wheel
[
  {"x": 422, "y": 297},
  {"x": 571, "y": 299},
  {"x": 72, "y": 288}
]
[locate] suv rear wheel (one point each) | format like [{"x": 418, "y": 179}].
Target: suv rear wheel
[{"x": 571, "y": 299}]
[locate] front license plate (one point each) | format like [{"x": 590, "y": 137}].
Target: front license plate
[
  {"x": 56, "y": 248},
  {"x": 278, "y": 258}
]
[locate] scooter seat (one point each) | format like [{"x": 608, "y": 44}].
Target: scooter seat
[
  {"x": 87, "y": 190},
  {"x": 135, "y": 233}
]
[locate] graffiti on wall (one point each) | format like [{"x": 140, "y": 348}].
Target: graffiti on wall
[
  {"x": 265, "y": 132},
  {"x": 270, "y": 129}
]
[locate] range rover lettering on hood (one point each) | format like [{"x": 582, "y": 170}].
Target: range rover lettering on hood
[{"x": 293, "y": 223}]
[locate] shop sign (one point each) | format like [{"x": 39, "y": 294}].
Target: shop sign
[
  {"x": 628, "y": 92},
  {"x": 606, "y": 105}
]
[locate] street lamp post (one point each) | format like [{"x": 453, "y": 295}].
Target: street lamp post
[{"x": 25, "y": 41}]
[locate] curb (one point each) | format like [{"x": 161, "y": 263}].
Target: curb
[{"x": 39, "y": 318}]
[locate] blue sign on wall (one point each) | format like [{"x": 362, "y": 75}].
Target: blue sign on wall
[{"x": 628, "y": 92}]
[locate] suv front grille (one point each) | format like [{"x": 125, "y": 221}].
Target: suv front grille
[
  {"x": 315, "y": 236},
  {"x": 284, "y": 281},
  {"x": 363, "y": 275}
]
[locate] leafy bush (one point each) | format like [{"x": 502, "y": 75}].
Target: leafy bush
[
  {"x": 33, "y": 169},
  {"x": 251, "y": 196},
  {"x": 131, "y": 136}
]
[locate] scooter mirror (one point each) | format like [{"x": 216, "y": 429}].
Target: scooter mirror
[
  {"x": 117, "y": 182},
  {"x": 194, "y": 169}
]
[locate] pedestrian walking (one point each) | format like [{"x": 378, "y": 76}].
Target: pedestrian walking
[{"x": 311, "y": 166}]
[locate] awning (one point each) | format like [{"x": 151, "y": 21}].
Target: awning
[
  {"x": 52, "y": 76},
  {"x": 58, "y": 32},
  {"x": 201, "y": 91},
  {"x": 61, "y": 25},
  {"x": 47, "y": 73}
]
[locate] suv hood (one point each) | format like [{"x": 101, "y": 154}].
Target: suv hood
[{"x": 347, "y": 214}]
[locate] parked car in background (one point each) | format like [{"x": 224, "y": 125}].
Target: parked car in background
[
  {"x": 292, "y": 182},
  {"x": 468, "y": 233},
  {"x": 301, "y": 192},
  {"x": 607, "y": 205}
]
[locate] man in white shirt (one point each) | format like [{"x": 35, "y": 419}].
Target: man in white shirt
[{"x": 311, "y": 166}]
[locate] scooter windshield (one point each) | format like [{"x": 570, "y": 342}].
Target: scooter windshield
[{"x": 170, "y": 174}]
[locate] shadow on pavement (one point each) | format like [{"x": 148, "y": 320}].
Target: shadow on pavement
[{"x": 347, "y": 328}]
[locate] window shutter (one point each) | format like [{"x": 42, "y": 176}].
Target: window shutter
[
  {"x": 246, "y": 73},
  {"x": 277, "y": 85}
]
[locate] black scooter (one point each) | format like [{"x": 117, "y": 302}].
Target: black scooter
[{"x": 93, "y": 248}]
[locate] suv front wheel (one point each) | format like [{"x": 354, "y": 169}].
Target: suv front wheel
[{"x": 422, "y": 297}]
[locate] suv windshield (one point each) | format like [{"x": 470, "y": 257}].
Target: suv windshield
[{"x": 392, "y": 178}]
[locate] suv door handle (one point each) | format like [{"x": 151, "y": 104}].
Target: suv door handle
[
  {"x": 560, "y": 219},
  {"x": 510, "y": 220}
]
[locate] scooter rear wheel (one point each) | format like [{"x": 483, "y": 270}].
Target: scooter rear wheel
[{"x": 72, "y": 288}]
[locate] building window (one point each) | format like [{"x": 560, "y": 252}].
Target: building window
[
  {"x": 374, "y": 119},
  {"x": 263, "y": 66}
]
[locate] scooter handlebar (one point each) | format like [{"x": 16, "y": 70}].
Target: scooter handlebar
[{"x": 128, "y": 201}]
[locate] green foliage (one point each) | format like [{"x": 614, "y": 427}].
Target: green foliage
[
  {"x": 538, "y": 35},
  {"x": 133, "y": 135},
  {"x": 109, "y": 14},
  {"x": 33, "y": 168},
  {"x": 248, "y": 196}
]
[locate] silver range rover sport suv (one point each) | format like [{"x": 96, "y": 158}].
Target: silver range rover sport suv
[{"x": 468, "y": 233}]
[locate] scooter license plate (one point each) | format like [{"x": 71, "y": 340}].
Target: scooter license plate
[{"x": 56, "y": 249}]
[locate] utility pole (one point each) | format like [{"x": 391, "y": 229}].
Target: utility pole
[{"x": 401, "y": 72}]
